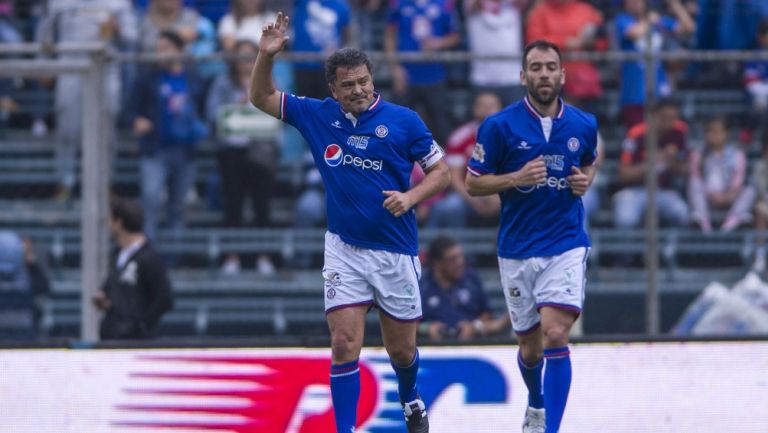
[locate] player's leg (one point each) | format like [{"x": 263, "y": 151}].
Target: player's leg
[
  {"x": 560, "y": 295},
  {"x": 347, "y": 299},
  {"x": 400, "y": 341},
  {"x": 396, "y": 287},
  {"x": 556, "y": 326},
  {"x": 517, "y": 283},
  {"x": 347, "y": 326}
]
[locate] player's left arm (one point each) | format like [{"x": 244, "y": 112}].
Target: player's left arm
[
  {"x": 438, "y": 177},
  {"x": 581, "y": 177}
]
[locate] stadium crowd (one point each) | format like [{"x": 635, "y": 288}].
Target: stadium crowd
[{"x": 169, "y": 110}]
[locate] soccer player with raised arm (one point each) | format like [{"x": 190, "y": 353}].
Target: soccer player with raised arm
[
  {"x": 364, "y": 148},
  {"x": 538, "y": 155}
]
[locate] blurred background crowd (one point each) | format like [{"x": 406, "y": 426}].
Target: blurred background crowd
[{"x": 203, "y": 163}]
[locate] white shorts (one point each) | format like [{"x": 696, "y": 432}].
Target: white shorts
[
  {"x": 361, "y": 276},
  {"x": 536, "y": 282}
]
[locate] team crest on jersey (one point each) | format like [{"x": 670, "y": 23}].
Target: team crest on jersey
[
  {"x": 479, "y": 153},
  {"x": 382, "y": 131},
  {"x": 573, "y": 144},
  {"x": 333, "y": 155}
]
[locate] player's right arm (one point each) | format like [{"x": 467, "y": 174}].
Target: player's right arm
[
  {"x": 533, "y": 172},
  {"x": 263, "y": 94}
]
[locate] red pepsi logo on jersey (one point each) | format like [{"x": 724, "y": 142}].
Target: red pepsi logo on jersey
[{"x": 333, "y": 155}]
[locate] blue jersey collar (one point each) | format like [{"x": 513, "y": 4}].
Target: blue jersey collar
[{"x": 535, "y": 113}]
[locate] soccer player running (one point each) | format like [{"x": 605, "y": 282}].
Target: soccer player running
[
  {"x": 364, "y": 148},
  {"x": 538, "y": 155}
]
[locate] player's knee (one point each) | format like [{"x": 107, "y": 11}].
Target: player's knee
[
  {"x": 402, "y": 354},
  {"x": 531, "y": 351},
  {"x": 344, "y": 346},
  {"x": 556, "y": 335}
]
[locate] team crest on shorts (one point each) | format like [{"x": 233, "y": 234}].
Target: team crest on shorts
[
  {"x": 332, "y": 281},
  {"x": 573, "y": 144},
  {"x": 382, "y": 131}
]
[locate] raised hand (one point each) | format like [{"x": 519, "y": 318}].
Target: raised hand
[
  {"x": 274, "y": 35},
  {"x": 579, "y": 181},
  {"x": 533, "y": 172}
]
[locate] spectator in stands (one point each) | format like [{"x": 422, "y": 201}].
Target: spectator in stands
[
  {"x": 456, "y": 206},
  {"x": 23, "y": 284},
  {"x": 718, "y": 174},
  {"x": 495, "y": 27},
  {"x": 454, "y": 301},
  {"x": 573, "y": 25},
  {"x": 632, "y": 27},
  {"x": 309, "y": 211},
  {"x": 365, "y": 15},
  {"x": 165, "y": 15},
  {"x": 111, "y": 21},
  {"x": 425, "y": 26},
  {"x": 244, "y": 22},
  {"x": 671, "y": 166},
  {"x": 137, "y": 291},
  {"x": 320, "y": 26},
  {"x": 168, "y": 122},
  {"x": 729, "y": 24},
  {"x": 756, "y": 83},
  {"x": 247, "y": 155},
  {"x": 759, "y": 182}
]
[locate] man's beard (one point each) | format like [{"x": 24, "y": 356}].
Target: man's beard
[{"x": 545, "y": 100}]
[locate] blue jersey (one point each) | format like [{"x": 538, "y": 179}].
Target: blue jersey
[
  {"x": 416, "y": 21},
  {"x": 633, "y": 72},
  {"x": 358, "y": 158},
  {"x": 318, "y": 27},
  {"x": 547, "y": 219}
]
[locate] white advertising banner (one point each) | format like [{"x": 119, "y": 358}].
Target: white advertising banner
[{"x": 617, "y": 388}]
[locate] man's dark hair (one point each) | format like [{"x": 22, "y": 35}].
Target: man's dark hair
[
  {"x": 543, "y": 45},
  {"x": 345, "y": 58},
  {"x": 438, "y": 247},
  {"x": 173, "y": 37},
  {"x": 129, "y": 213}
]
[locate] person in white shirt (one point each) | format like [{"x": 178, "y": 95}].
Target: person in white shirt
[
  {"x": 495, "y": 27},
  {"x": 245, "y": 22}
]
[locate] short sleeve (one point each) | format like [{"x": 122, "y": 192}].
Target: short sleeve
[
  {"x": 590, "y": 152},
  {"x": 422, "y": 147},
  {"x": 297, "y": 110},
  {"x": 485, "y": 157}
]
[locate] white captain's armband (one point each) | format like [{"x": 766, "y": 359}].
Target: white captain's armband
[{"x": 435, "y": 154}]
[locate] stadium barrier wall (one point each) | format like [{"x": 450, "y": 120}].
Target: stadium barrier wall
[{"x": 692, "y": 387}]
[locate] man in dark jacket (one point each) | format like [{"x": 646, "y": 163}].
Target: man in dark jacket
[{"x": 137, "y": 291}]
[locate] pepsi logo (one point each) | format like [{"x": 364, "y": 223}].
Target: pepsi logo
[{"x": 333, "y": 155}]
